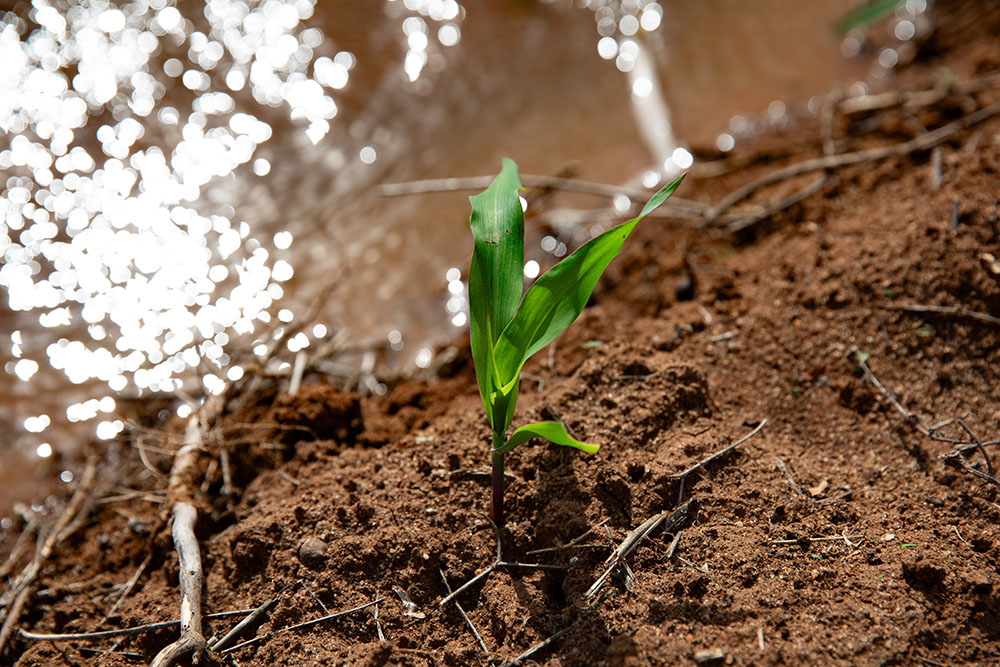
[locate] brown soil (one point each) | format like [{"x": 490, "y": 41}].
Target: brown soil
[{"x": 394, "y": 489}]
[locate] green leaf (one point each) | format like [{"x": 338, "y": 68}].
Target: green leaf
[
  {"x": 865, "y": 15},
  {"x": 558, "y": 296},
  {"x": 554, "y": 432},
  {"x": 496, "y": 276},
  {"x": 504, "y": 399}
]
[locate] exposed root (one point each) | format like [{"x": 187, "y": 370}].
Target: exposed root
[
  {"x": 191, "y": 641},
  {"x": 465, "y": 617},
  {"x": 497, "y": 564}
]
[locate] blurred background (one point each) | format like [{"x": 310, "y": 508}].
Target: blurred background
[{"x": 190, "y": 189}]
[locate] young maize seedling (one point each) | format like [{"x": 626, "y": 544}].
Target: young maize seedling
[{"x": 507, "y": 330}]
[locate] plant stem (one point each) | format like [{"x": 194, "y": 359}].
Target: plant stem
[{"x": 496, "y": 510}]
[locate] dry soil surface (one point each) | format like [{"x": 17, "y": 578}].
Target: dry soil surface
[{"x": 847, "y": 530}]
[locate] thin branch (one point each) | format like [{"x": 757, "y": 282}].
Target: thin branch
[
  {"x": 834, "y": 538},
  {"x": 531, "y": 181},
  {"x": 683, "y": 475},
  {"x": 979, "y": 446},
  {"x": 104, "y": 634},
  {"x": 547, "y": 642},
  {"x": 21, "y": 546},
  {"x": 922, "y": 142},
  {"x": 465, "y": 616},
  {"x": 471, "y": 582},
  {"x": 378, "y": 623},
  {"x": 908, "y": 416},
  {"x": 955, "y": 460},
  {"x": 498, "y": 563},
  {"x": 575, "y": 542},
  {"x": 672, "y": 520},
  {"x": 241, "y": 627},
  {"x": 915, "y": 98},
  {"x": 788, "y": 477},
  {"x": 809, "y": 190},
  {"x": 299, "y": 626},
  {"x": 946, "y": 310},
  {"x": 146, "y": 463},
  {"x": 128, "y": 588},
  {"x": 540, "y": 645}
]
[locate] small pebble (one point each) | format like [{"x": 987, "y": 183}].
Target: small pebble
[
  {"x": 710, "y": 656},
  {"x": 312, "y": 552}
]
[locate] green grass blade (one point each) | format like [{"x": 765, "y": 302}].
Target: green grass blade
[
  {"x": 558, "y": 296},
  {"x": 554, "y": 432},
  {"x": 496, "y": 277}
]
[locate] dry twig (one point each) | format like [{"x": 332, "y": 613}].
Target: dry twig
[
  {"x": 252, "y": 619},
  {"x": 915, "y": 99},
  {"x": 684, "y": 207},
  {"x": 465, "y": 616},
  {"x": 299, "y": 626},
  {"x": 922, "y": 142},
  {"x": 138, "y": 629},
  {"x": 947, "y": 310},
  {"x": 743, "y": 222},
  {"x": 953, "y": 458},
  {"x": 908, "y": 416},
  {"x": 683, "y": 475},
  {"x": 672, "y": 520},
  {"x": 574, "y": 543},
  {"x": 133, "y": 580},
  {"x": 21, "y": 588}
]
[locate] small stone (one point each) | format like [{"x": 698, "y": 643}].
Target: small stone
[
  {"x": 712, "y": 656},
  {"x": 312, "y": 552}
]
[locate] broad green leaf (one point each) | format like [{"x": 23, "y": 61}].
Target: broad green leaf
[
  {"x": 554, "y": 432},
  {"x": 496, "y": 276},
  {"x": 559, "y": 295}
]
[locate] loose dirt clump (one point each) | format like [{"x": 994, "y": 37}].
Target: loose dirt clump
[{"x": 860, "y": 525}]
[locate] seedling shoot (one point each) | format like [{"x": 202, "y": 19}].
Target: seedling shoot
[{"x": 506, "y": 329}]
